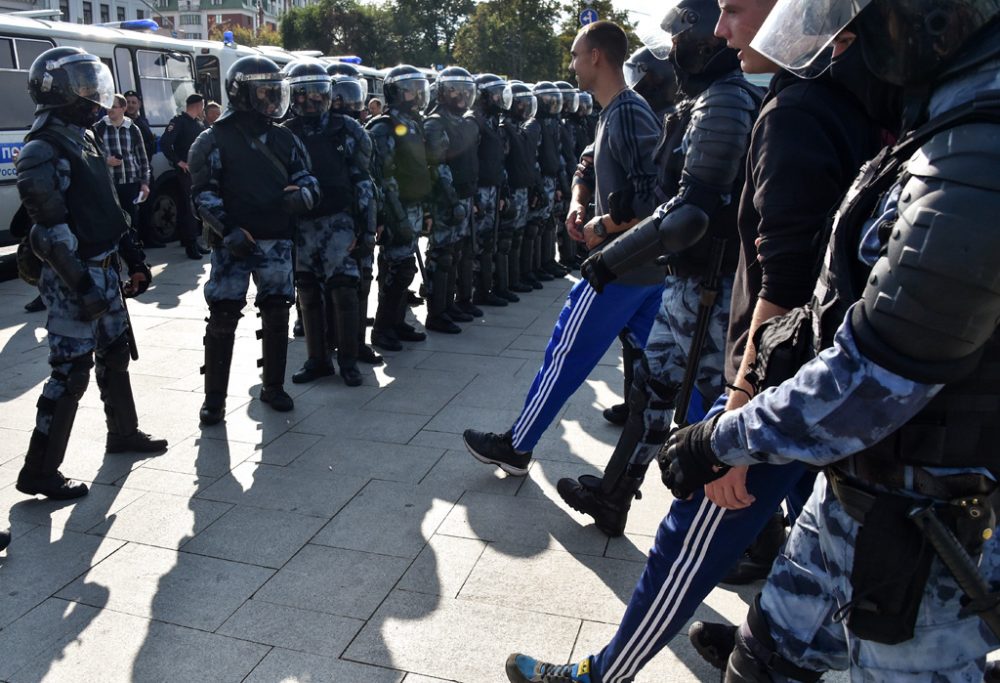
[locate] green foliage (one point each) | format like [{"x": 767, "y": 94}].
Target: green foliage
[
  {"x": 570, "y": 25},
  {"x": 512, "y": 38},
  {"x": 245, "y": 36}
]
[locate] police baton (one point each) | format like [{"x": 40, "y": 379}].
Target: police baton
[
  {"x": 958, "y": 563},
  {"x": 133, "y": 350}
]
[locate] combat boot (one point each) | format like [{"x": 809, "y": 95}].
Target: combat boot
[
  {"x": 115, "y": 386},
  {"x": 609, "y": 509},
  {"x": 755, "y": 564},
  {"x": 314, "y": 321},
  {"x": 344, "y": 301},
  {"x": 274, "y": 344},
  {"x": 714, "y": 642},
  {"x": 365, "y": 353},
  {"x": 220, "y": 335},
  {"x": 40, "y": 475},
  {"x": 4, "y": 539},
  {"x": 484, "y": 294}
]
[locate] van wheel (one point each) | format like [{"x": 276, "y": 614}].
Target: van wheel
[{"x": 163, "y": 215}]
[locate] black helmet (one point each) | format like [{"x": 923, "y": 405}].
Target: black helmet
[
  {"x": 549, "y": 99},
  {"x": 255, "y": 84},
  {"x": 456, "y": 89},
  {"x": 348, "y": 96},
  {"x": 406, "y": 89},
  {"x": 903, "y": 41},
  {"x": 309, "y": 88},
  {"x": 586, "y": 107},
  {"x": 345, "y": 69},
  {"x": 687, "y": 37},
  {"x": 493, "y": 94},
  {"x": 652, "y": 78},
  {"x": 570, "y": 98},
  {"x": 71, "y": 79},
  {"x": 524, "y": 104}
]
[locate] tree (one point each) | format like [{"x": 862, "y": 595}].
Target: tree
[
  {"x": 513, "y": 38},
  {"x": 570, "y": 24},
  {"x": 342, "y": 27},
  {"x": 428, "y": 28},
  {"x": 245, "y": 36}
]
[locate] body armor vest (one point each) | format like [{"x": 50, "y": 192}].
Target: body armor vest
[
  {"x": 328, "y": 153},
  {"x": 491, "y": 159},
  {"x": 463, "y": 153},
  {"x": 520, "y": 155},
  {"x": 959, "y": 427},
  {"x": 412, "y": 174},
  {"x": 253, "y": 186},
  {"x": 95, "y": 216},
  {"x": 550, "y": 148}
]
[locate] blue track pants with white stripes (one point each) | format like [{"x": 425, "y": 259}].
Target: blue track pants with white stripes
[
  {"x": 587, "y": 326},
  {"x": 695, "y": 547}
]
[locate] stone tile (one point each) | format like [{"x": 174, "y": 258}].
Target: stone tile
[
  {"x": 285, "y": 665},
  {"x": 491, "y": 366},
  {"x": 294, "y": 629},
  {"x": 61, "y": 641},
  {"x": 410, "y": 399},
  {"x": 267, "y": 538},
  {"x": 632, "y": 547},
  {"x": 78, "y": 515},
  {"x": 43, "y": 560},
  {"x": 530, "y": 342},
  {"x": 461, "y": 471},
  {"x": 15, "y": 443},
  {"x": 488, "y": 392},
  {"x": 442, "y": 440},
  {"x": 284, "y": 449},
  {"x": 202, "y": 456},
  {"x": 533, "y": 524},
  {"x": 86, "y": 460},
  {"x": 369, "y": 459},
  {"x": 364, "y": 424},
  {"x": 570, "y": 441},
  {"x": 162, "y": 481},
  {"x": 343, "y": 582},
  {"x": 443, "y": 566},
  {"x": 417, "y": 678},
  {"x": 553, "y": 582},
  {"x": 456, "y": 639},
  {"x": 457, "y": 418},
  {"x": 161, "y": 520},
  {"x": 306, "y": 492},
  {"x": 255, "y": 423},
  {"x": 178, "y": 588},
  {"x": 389, "y": 518},
  {"x": 333, "y": 393},
  {"x": 474, "y": 339}
]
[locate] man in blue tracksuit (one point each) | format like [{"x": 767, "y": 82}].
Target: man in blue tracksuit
[{"x": 589, "y": 322}]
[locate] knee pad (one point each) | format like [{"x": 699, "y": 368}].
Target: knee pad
[
  {"x": 342, "y": 282},
  {"x": 116, "y": 357},
  {"x": 304, "y": 280},
  {"x": 78, "y": 376},
  {"x": 274, "y": 312},
  {"x": 224, "y": 316},
  {"x": 406, "y": 270}
]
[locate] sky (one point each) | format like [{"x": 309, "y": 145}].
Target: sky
[{"x": 641, "y": 9}]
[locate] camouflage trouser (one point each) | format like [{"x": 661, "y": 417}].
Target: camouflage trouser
[
  {"x": 485, "y": 221},
  {"x": 811, "y": 581},
  {"x": 519, "y": 199},
  {"x": 69, "y": 336},
  {"x": 322, "y": 247},
  {"x": 396, "y": 260},
  {"x": 270, "y": 266},
  {"x": 442, "y": 243},
  {"x": 543, "y": 211},
  {"x": 661, "y": 373}
]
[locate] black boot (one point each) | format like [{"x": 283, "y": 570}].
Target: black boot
[
  {"x": 454, "y": 311},
  {"x": 365, "y": 353},
  {"x": 755, "y": 564},
  {"x": 298, "y": 328},
  {"x": 220, "y": 336},
  {"x": 35, "y": 305},
  {"x": 466, "y": 280},
  {"x": 609, "y": 509},
  {"x": 528, "y": 245},
  {"x": 618, "y": 413},
  {"x": 4, "y": 539},
  {"x": 484, "y": 293},
  {"x": 439, "y": 318},
  {"x": 115, "y": 386},
  {"x": 40, "y": 474},
  {"x": 314, "y": 321},
  {"x": 391, "y": 298},
  {"x": 274, "y": 344},
  {"x": 344, "y": 301},
  {"x": 514, "y": 265},
  {"x": 714, "y": 642}
]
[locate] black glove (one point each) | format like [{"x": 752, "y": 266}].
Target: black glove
[
  {"x": 93, "y": 303},
  {"x": 238, "y": 244},
  {"x": 596, "y": 273},
  {"x": 687, "y": 461},
  {"x": 141, "y": 286},
  {"x": 299, "y": 201},
  {"x": 364, "y": 245}
]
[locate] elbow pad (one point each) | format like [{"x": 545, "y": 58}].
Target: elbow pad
[
  {"x": 932, "y": 300},
  {"x": 656, "y": 236},
  {"x": 37, "y": 184},
  {"x": 61, "y": 259}
]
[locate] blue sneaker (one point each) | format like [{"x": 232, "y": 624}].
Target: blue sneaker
[{"x": 524, "y": 669}]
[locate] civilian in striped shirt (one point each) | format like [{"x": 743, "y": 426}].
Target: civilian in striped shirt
[{"x": 125, "y": 152}]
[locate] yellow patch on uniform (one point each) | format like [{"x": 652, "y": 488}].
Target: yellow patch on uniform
[
  {"x": 987, "y": 534},
  {"x": 584, "y": 667},
  {"x": 401, "y": 130}
]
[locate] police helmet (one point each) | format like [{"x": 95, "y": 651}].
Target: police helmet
[
  {"x": 456, "y": 89},
  {"x": 348, "y": 96},
  {"x": 570, "y": 98},
  {"x": 652, "y": 78},
  {"x": 73, "y": 80},
  {"x": 687, "y": 36},
  {"x": 406, "y": 89},
  {"x": 309, "y": 88},
  {"x": 586, "y": 105},
  {"x": 255, "y": 84},
  {"x": 524, "y": 104},
  {"x": 549, "y": 98},
  {"x": 493, "y": 94},
  {"x": 345, "y": 69}
]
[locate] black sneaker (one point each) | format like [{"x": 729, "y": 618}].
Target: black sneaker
[
  {"x": 140, "y": 442},
  {"x": 616, "y": 414},
  {"x": 714, "y": 642},
  {"x": 497, "y": 449}
]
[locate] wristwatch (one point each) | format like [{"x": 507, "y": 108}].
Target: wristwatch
[{"x": 599, "y": 229}]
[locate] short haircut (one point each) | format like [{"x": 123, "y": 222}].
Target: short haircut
[
  {"x": 194, "y": 99},
  {"x": 120, "y": 100},
  {"x": 609, "y": 38},
  {"x": 212, "y": 104}
]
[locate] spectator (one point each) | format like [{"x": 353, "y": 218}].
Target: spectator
[
  {"x": 175, "y": 143},
  {"x": 374, "y": 107},
  {"x": 125, "y": 152},
  {"x": 133, "y": 110},
  {"x": 213, "y": 110}
]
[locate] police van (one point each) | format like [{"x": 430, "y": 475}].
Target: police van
[{"x": 159, "y": 68}]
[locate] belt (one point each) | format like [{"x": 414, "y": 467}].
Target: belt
[
  {"x": 104, "y": 263},
  {"x": 892, "y": 475}
]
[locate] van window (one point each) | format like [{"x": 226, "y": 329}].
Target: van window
[
  {"x": 124, "y": 70},
  {"x": 209, "y": 78},
  {"x": 16, "y": 56},
  {"x": 165, "y": 80}
]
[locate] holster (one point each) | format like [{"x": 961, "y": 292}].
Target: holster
[{"x": 784, "y": 344}]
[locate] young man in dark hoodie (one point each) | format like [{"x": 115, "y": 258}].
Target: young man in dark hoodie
[{"x": 807, "y": 145}]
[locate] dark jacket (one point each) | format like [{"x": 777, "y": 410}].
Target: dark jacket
[{"x": 178, "y": 137}]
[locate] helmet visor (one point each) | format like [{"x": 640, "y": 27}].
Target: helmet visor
[
  {"x": 310, "y": 97},
  {"x": 656, "y": 40},
  {"x": 456, "y": 93},
  {"x": 269, "y": 98},
  {"x": 89, "y": 78},
  {"x": 798, "y": 35},
  {"x": 497, "y": 95},
  {"x": 348, "y": 96},
  {"x": 526, "y": 104},
  {"x": 586, "y": 104},
  {"x": 414, "y": 91},
  {"x": 571, "y": 102},
  {"x": 549, "y": 100},
  {"x": 634, "y": 72}
]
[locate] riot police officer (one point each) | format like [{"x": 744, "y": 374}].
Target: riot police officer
[
  {"x": 493, "y": 97},
  {"x": 700, "y": 159},
  {"x": 452, "y": 155},
  {"x": 521, "y": 168},
  {"x": 326, "y": 276},
  {"x": 540, "y": 231},
  {"x": 348, "y": 96},
  {"x": 567, "y": 148},
  {"x": 401, "y": 172},
  {"x": 654, "y": 79},
  {"x": 81, "y": 236},
  {"x": 250, "y": 179},
  {"x": 582, "y": 134}
]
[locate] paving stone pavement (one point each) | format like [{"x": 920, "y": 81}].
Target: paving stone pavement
[{"x": 352, "y": 540}]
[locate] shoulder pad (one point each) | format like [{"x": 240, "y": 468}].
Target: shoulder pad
[
  {"x": 34, "y": 154},
  {"x": 967, "y": 154},
  {"x": 381, "y": 119},
  {"x": 434, "y": 125},
  {"x": 202, "y": 145},
  {"x": 353, "y": 127},
  {"x": 726, "y": 94}
]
